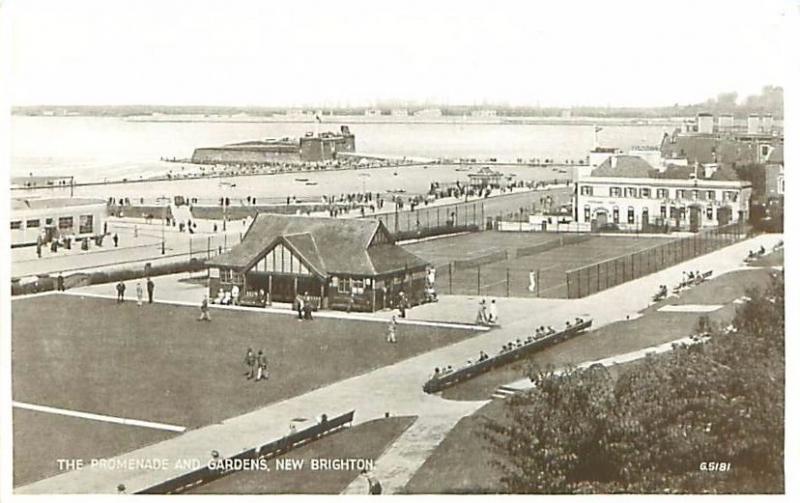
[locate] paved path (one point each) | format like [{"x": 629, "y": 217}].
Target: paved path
[{"x": 396, "y": 388}]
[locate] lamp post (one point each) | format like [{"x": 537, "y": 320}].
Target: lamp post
[{"x": 163, "y": 223}]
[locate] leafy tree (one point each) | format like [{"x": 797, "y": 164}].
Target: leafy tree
[{"x": 648, "y": 431}]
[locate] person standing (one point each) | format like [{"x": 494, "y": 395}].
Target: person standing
[
  {"x": 299, "y": 302},
  {"x": 139, "y": 293},
  {"x": 402, "y": 305},
  {"x": 391, "y": 330},
  {"x": 136, "y": 231},
  {"x": 120, "y": 292},
  {"x": 150, "y": 289},
  {"x": 204, "y": 310},
  {"x": 116, "y": 239},
  {"x": 60, "y": 282}
]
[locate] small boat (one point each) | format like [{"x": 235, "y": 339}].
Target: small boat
[
  {"x": 301, "y": 179},
  {"x": 311, "y": 183}
]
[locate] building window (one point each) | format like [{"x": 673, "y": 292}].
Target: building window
[
  {"x": 734, "y": 196},
  {"x": 86, "y": 224},
  {"x": 630, "y": 192},
  {"x": 631, "y": 218},
  {"x": 680, "y": 194},
  {"x": 663, "y": 212},
  {"x": 587, "y": 213},
  {"x": 32, "y": 223},
  {"x": 645, "y": 192},
  {"x": 225, "y": 275},
  {"x": 695, "y": 194},
  {"x": 710, "y": 213},
  {"x": 65, "y": 223},
  {"x": 16, "y": 225},
  {"x": 48, "y": 221},
  {"x": 645, "y": 216},
  {"x": 586, "y": 190},
  {"x": 711, "y": 195},
  {"x": 673, "y": 212},
  {"x": 344, "y": 285},
  {"x": 616, "y": 215},
  {"x": 615, "y": 191},
  {"x": 662, "y": 193}
]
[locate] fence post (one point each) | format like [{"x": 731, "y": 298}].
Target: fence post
[
  {"x": 208, "y": 249},
  {"x": 569, "y": 287},
  {"x": 450, "y": 276},
  {"x": 508, "y": 282},
  {"x": 479, "y": 279},
  {"x": 598, "y": 277}
]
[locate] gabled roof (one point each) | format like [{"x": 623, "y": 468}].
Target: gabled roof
[
  {"x": 627, "y": 166},
  {"x": 327, "y": 245}
]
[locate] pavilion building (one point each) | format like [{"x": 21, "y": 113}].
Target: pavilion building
[{"x": 337, "y": 262}]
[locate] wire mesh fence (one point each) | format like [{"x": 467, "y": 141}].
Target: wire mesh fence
[{"x": 608, "y": 273}]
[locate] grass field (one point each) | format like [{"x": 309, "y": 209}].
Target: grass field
[
  {"x": 651, "y": 329},
  {"x": 157, "y": 363},
  {"x": 366, "y": 441},
  {"x": 510, "y": 277}
]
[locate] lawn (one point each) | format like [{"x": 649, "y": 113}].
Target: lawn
[
  {"x": 41, "y": 438},
  {"x": 651, "y": 329},
  {"x": 366, "y": 441},
  {"x": 158, "y": 363}
]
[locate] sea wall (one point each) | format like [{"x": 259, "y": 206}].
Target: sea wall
[{"x": 215, "y": 155}]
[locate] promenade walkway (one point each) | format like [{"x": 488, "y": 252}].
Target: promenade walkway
[{"x": 396, "y": 388}]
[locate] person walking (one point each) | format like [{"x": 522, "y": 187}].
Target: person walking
[
  {"x": 374, "y": 485},
  {"x": 493, "y": 312},
  {"x": 139, "y": 293},
  {"x": 116, "y": 239},
  {"x": 120, "y": 292},
  {"x": 391, "y": 330},
  {"x": 250, "y": 363},
  {"x": 150, "y": 289},
  {"x": 204, "y": 310},
  {"x": 261, "y": 361}
]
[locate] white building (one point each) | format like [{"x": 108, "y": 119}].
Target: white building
[
  {"x": 629, "y": 193},
  {"x": 52, "y": 218}
]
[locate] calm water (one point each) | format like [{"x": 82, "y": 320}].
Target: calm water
[{"x": 94, "y": 149}]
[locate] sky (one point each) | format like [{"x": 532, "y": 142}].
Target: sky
[{"x": 359, "y": 53}]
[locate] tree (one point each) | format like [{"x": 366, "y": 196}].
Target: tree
[{"x": 720, "y": 400}]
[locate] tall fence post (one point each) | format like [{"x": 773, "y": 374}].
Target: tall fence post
[
  {"x": 450, "y": 276},
  {"x": 508, "y": 282},
  {"x": 479, "y": 279},
  {"x": 598, "y": 277}
]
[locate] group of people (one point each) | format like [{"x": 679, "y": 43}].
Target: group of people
[
  {"x": 227, "y": 298},
  {"x": 256, "y": 365},
  {"x": 304, "y": 306},
  {"x": 150, "y": 285},
  {"x": 760, "y": 252},
  {"x": 487, "y": 314},
  {"x": 540, "y": 333}
]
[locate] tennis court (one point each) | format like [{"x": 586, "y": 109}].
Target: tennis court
[{"x": 511, "y": 264}]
